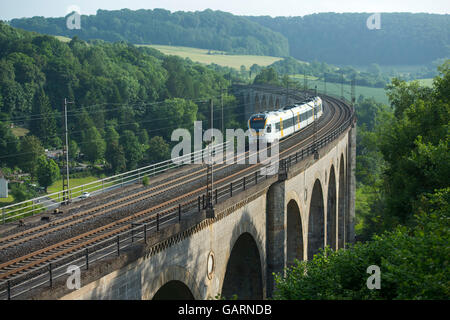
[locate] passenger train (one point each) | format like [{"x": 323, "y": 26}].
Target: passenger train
[{"x": 272, "y": 125}]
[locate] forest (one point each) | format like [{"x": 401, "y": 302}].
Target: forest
[
  {"x": 334, "y": 38},
  {"x": 344, "y": 39},
  {"x": 126, "y": 102},
  {"x": 207, "y": 30},
  {"x": 402, "y": 203}
]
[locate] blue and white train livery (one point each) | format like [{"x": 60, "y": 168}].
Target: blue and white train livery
[{"x": 281, "y": 123}]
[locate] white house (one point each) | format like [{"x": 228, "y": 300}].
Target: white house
[{"x": 3, "y": 187}]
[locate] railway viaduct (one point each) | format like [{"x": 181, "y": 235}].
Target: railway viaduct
[
  {"x": 260, "y": 98},
  {"x": 309, "y": 204}
]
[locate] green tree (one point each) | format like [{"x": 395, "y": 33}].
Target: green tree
[
  {"x": 143, "y": 137},
  {"x": 47, "y": 172},
  {"x": 74, "y": 150},
  {"x": 415, "y": 144},
  {"x": 93, "y": 145},
  {"x": 9, "y": 146},
  {"x": 132, "y": 148},
  {"x": 177, "y": 113},
  {"x": 111, "y": 134},
  {"x": 20, "y": 192},
  {"x": 43, "y": 124},
  {"x": 115, "y": 156},
  {"x": 267, "y": 76},
  {"x": 158, "y": 150},
  {"x": 30, "y": 151}
]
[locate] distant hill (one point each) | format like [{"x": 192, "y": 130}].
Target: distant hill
[
  {"x": 404, "y": 38},
  {"x": 342, "y": 39},
  {"x": 206, "y": 30}
]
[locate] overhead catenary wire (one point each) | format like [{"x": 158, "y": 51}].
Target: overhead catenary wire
[
  {"x": 130, "y": 123},
  {"x": 119, "y": 124},
  {"x": 101, "y": 139}
]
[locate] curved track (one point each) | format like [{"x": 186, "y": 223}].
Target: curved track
[{"x": 150, "y": 206}]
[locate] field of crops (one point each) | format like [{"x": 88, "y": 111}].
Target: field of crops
[{"x": 217, "y": 57}]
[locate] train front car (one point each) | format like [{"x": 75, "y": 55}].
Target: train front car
[
  {"x": 279, "y": 124},
  {"x": 257, "y": 125}
]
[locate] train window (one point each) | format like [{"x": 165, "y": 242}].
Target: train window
[
  {"x": 288, "y": 123},
  {"x": 277, "y": 126},
  {"x": 257, "y": 123}
]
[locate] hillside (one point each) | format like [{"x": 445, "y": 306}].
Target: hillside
[
  {"x": 343, "y": 39},
  {"x": 124, "y": 97},
  {"x": 404, "y": 38},
  {"x": 206, "y": 30}
]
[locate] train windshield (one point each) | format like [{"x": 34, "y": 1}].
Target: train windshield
[{"x": 257, "y": 123}]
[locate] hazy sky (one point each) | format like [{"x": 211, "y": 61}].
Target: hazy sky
[{"x": 10, "y": 9}]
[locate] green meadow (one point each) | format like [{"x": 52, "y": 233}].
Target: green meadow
[{"x": 335, "y": 88}]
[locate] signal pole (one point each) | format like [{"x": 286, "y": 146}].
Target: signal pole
[
  {"x": 221, "y": 103},
  {"x": 287, "y": 90},
  {"x": 353, "y": 92},
  {"x": 210, "y": 174},
  {"x": 305, "y": 82},
  {"x": 325, "y": 82},
  {"x": 66, "y": 184}
]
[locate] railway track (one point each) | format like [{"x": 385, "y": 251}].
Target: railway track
[
  {"x": 85, "y": 216},
  {"x": 36, "y": 259}
]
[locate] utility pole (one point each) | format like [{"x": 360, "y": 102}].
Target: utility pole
[
  {"x": 287, "y": 90},
  {"x": 210, "y": 174},
  {"x": 316, "y": 154},
  {"x": 342, "y": 85},
  {"x": 353, "y": 92},
  {"x": 66, "y": 184},
  {"x": 221, "y": 103},
  {"x": 305, "y": 82},
  {"x": 325, "y": 82}
]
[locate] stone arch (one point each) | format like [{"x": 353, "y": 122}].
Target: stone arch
[
  {"x": 173, "y": 273},
  {"x": 243, "y": 274},
  {"x": 277, "y": 103},
  {"x": 174, "y": 290},
  {"x": 263, "y": 103},
  {"x": 331, "y": 210},
  {"x": 294, "y": 233},
  {"x": 271, "y": 105},
  {"x": 316, "y": 224},
  {"x": 257, "y": 106},
  {"x": 341, "y": 204}
]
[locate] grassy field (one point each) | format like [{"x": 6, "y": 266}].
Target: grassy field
[
  {"x": 19, "y": 132},
  {"x": 202, "y": 56},
  {"x": 425, "y": 82},
  {"x": 63, "y": 39},
  {"x": 75, "y": 182},
  {"x": 335, "y": 88},
  {"x": 6, "y": 201}
]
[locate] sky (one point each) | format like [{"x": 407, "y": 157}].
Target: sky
[{"x": 10, "y": 9}]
